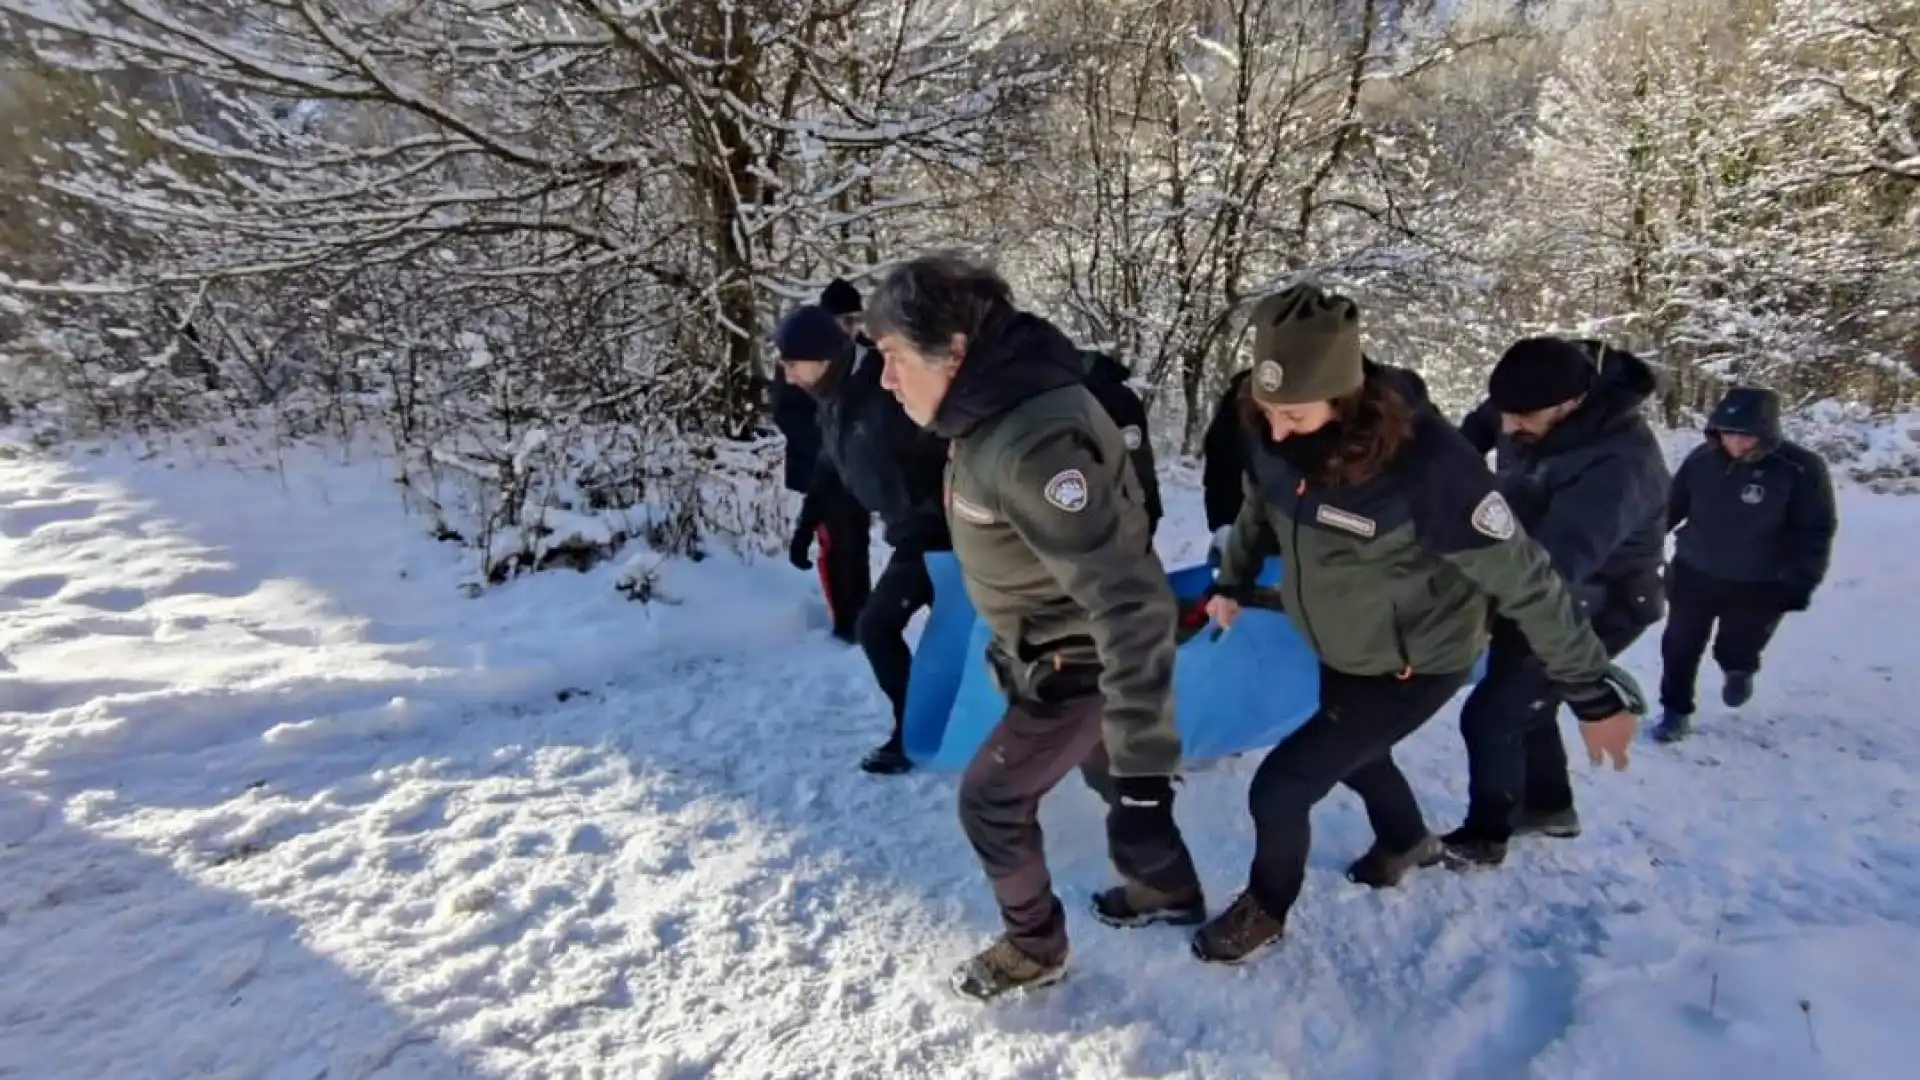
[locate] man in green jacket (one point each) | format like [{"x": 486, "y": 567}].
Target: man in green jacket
[{"x": 1049, "y": 524}]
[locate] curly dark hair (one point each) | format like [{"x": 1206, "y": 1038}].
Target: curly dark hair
[{"x": 1376, "y": 423}]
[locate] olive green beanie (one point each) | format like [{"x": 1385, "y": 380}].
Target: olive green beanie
[{"x": 1306, "y": 347}]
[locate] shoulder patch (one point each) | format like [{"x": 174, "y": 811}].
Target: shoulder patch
[
  {"x": 1131, "y": 436},
  {"x": 1067, "y": 490},
  {"x": 1341, "y": 519},
  {"x": 1268, "y": 375},
  {"x": 1493, "y": 517}
]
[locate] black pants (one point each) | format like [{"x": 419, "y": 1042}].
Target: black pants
[
  {"x": 1030, "y": 751},
  {"x": 904, "y": 588},
  {"x": 845, "y": 562},
  {"x": 1349, "y": 741},
  {"x": 1748, "y": 613},
  {"x": 1511, "y": 720}
]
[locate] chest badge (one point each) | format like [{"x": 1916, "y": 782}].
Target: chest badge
[
  {"x": 1753, "y": 494},
  {"x": 1341, "y": 519}
]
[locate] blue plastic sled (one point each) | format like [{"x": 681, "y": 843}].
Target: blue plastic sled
[{"x": 1245, "y": 691}]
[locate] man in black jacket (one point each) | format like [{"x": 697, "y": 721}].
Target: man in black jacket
[
  {"x": 1756, "y": 518},
  {"x": 1107, "y": 380},
  {"x": 870, "y": 449},
  {"x": 1223, "y": 452},
  {"x": 1583, "y": 472}
]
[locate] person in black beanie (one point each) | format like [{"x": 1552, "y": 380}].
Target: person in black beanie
[
  {"x": 873, "y": 456},
  {"x": 1584, "y": 474}
]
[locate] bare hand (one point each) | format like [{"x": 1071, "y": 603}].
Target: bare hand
[
  {"x": 1223, "y": 611},
  {"x": 1610, "y": 738}
]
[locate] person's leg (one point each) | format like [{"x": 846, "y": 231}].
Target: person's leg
[
  {"x": 904, "y": 588},
  {"x": 846, "y": 553},
  {"x": 1499, "y": 721},
  {"x": 1025, "y": 755},
  {"x": 1690, "y": 614},
  {"x": 1394, "y": 709},
  {"x": 1749, "y": 616},
  {"x": 1159, "y": 883}
]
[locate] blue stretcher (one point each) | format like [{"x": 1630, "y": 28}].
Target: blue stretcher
[{"x": 1245, "y": 690}]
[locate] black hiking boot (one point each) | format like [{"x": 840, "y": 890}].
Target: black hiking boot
[
  {"x": 1383, "y": 869},
  {"x": 1001, "y": 969},
  {"x": 1466, "y": 849},
  {"x": 1738, "y": 689},
  {"x": 1135, "y": 905},
  {"x": 1237, "y": 933},
  {"x": 1673, "y": 726},
  {"x": 887, "y": 759},
  {"x": 1559, "y": 824}
]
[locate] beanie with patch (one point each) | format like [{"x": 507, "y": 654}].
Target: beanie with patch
[
  {"x": 841, "y": 298},
  {"x": 1306, "y": 347},
  {"x": 1539, "y": 373},
  {"x": 810, "y": 333}
]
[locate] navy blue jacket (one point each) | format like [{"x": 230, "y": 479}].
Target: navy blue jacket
[
  {"x": 1767, "y": 519},
  {"x": 1593, "y": 491},
  {"x": 794, "y": 414},
  {"x": 1107, "y": 382},
  {"x": 870, "y": 446}
]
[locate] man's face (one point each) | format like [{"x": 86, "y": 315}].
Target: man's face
[
  {"x": 1738, "y": 445},
  {"x": 1528, "y": 428},
  {"x": 1284, "y": 421},
  {"x": 804, "y": 373},
  {"x": 917, "y": 381},
  {"x": 851, "y": 323}
]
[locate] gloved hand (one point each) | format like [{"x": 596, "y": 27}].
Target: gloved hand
[
  {"x": 1795, "y": 597},
  {"x": 800, "y": 550}
]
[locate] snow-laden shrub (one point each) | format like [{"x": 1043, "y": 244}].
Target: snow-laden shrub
[{"x": 1879, "y": 452}]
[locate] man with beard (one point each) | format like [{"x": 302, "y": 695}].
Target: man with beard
[
  {"x": 1050, "y": 527},
  {"x": 871, "y": 451},
  {"x": 1583, "y": 473}
]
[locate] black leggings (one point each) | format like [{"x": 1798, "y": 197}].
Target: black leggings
[{"x": 904, "y": 588}]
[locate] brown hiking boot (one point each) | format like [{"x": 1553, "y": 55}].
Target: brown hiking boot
[
  {"x": 1383, "y": 869},
  {"x": 1134, "y": 904},
  {"x": 1237, "y": 933},
  {"x": 1002, "y": 968}
]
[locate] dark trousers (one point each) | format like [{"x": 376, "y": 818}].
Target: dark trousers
[
  {"x": 1032, "y": 749},
  {"x": 904, "y": 588},
  {"x": 845, "y": 562},
  {"x": 1511, "y": 721},
  {"x": 1747, "y": 614},
  {"x": 1348, "y": 741}
]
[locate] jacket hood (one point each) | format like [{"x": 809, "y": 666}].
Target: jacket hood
[
  {"x": 1017, "y": 356},
  {"x": 1104, "y": 367},
  {"x": 1748, "y": 410}
]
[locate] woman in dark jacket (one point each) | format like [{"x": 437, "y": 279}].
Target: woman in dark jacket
[{"x": 1394, "y": 546}]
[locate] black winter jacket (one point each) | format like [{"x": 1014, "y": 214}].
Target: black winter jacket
[
  {"x": 1593, "y": 491},
  {"x": 1107, "y": 381},
  {"x": 1767, "y": 519},
  {"x": 794, "y": 414},
  {"x": 883, "y": 459}
]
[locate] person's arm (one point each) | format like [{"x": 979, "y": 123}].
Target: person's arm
[
  {"x": 1812, "y": 521},
  {"x": 1680, "y": 492},
  {"x": 1140, "y": 448},
  {"x": 1249, "y": 542},
  {"x": 1073, "y": 525},
  {"x": 1223, "y": 461},
  {"x": 1593, "y": 515},
  {"x": 1460, "y": 517}
]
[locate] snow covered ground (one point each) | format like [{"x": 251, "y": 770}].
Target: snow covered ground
[{"x": 277, "y": 803}]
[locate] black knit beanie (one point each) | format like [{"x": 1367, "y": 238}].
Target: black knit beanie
[
  {"x": 841, "y": 298},
  {"x": 1539, "y": 373}
]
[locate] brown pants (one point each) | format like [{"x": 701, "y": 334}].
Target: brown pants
[{"x": 1032, "y": 749}]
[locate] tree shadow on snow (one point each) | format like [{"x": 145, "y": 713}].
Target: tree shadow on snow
[{"x": 117, "y": 965}]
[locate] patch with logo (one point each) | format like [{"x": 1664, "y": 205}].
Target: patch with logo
[
  {"x": 1493, "y": 517},
  {"x": 1268, "y": 375},
  {"x": 968, "y": 510},
  {"x": 1341, "y": 519},
  {"x": 1131, "y": 436},
  {"x": 1753, "y": 494},
  {"x": 1067, "y": 490}
]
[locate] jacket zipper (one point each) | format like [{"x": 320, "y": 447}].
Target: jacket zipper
[{"x": 1300, "y": 577}]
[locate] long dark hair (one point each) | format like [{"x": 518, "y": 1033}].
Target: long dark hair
[{"x": 1372, "y": 425}]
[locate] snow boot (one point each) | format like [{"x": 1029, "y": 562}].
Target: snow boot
[
  {"x": 1466, "y": 849},
  {"x": 887, "y": 759},
  {"x": 1001, "y": 969},
  {"x": 1673, "y": 726},
  {"x": 1737, "y": 690},
  {"x": 1559, "y": 824},
  {"x": 1135, "y": 905},
  {"x": 1237, "y": 933},
  {"x": 1383, "y": 869}
]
